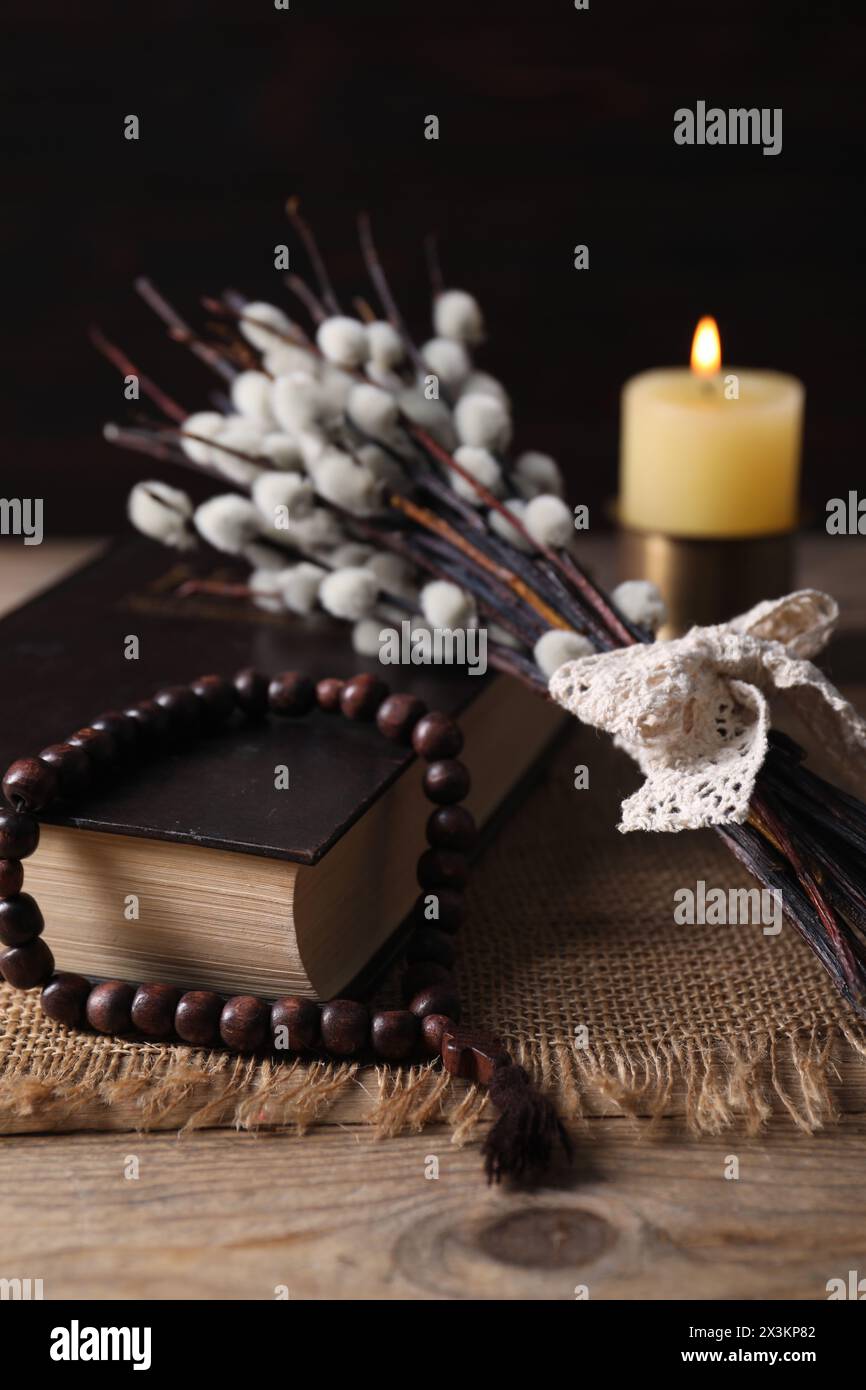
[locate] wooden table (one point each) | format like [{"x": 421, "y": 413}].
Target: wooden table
[{"x": 337, "y": 1214}]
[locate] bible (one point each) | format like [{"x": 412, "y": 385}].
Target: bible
[{"x": 274, "y": 858}]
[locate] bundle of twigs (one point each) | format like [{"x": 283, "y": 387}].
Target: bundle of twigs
[{"x": 373, "y": 477}]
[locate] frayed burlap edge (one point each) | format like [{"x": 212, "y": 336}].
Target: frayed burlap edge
[
  {"x": 712, "y": 1087},
  {"x": 712, "y": 1030},
  {"x": 708, "y": 1088}
]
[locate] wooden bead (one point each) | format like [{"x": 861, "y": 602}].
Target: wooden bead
[
  {"x": 291, "y": 694},
  {"x": 361, "y": 696},
  {"x": 183, "y": 709},
  {"x": 426, "y": 943},
  {"x": 452, "y": 827},
  {"x": 99, "y": 745},
  {"x": 420, "y": 973},
  {"x": 449, "y": 906},
  {"x": 20, "y": 919},
  {"x": 244, "y": 1023},
  {"x": 472, "y": 1055},
  {"x": 25, "y": 967},
  {"x": 345, "y": 1024},
  {"x": 30, "y": 784},
  {"x": 433, "y": 1026},
  {"x": 151, "y": 721},
  {"x": 395, "y": 1034},
  {"x": 109, "y": 1007},
  {"x": 446, "y": 781},
  {"x": 398, "y": 715},
  {"x": 122, "y": 729},
  {"x": 64, "y": 998},
  {"x": 442, "y": 868},
  {"x": 300, "y": 1019},
  {"x": 197, "y": 1017},
  {"x": 72, "y": 765},
  {"x": 436, "y": 999},
  {"x": 328, "y": 692},
  {"x": 19, "y": 834},
  {"x": 11, "y": 877},
  {"x": 153, "y": 1010},
  {"x": 217, "y": 696},
  {"x": 251, "y": 693},
  {"x": 436, "y": 736}
]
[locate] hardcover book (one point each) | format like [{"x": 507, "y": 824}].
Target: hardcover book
[{"x": 276, "y": 860}]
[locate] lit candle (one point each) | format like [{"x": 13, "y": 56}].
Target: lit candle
[{"x": 710, "y": 452}]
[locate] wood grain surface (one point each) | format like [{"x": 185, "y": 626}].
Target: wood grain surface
[{"x": 338, "y": 1215}]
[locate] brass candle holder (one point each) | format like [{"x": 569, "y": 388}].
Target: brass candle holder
[{"x": 707, "y": 580}]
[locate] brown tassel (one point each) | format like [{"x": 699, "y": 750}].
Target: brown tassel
[{"x": 521, "y": 1143}]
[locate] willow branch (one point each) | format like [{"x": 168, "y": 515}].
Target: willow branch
[
  {"x": 376, "y": 272},
  {"x": 180, "y": 330},
  {"x": 118, "y": 358},
  {"x": 305, "y": 231}
]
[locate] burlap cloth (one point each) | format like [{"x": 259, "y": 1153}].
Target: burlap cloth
[{"x": 570, "y": 928}]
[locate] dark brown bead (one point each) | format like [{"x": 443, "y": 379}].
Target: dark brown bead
[
  {"x": 183, "y": 709},
  {"x": 251, "y": 693},
  {"x": 452, "y": 827},
  {"x": 426, "y": 943},
  {"x": 446, "y": 781},
  {"x": 395, "y": 1034},
  {"x": 151, "y": 721},
  {"x": 64, "y": 998},
  {"x": 244, "y": 1023},
  {"x": 197, "y": 1017},
  {"x": 217, "y": 696},
  {"x": 328, "y": 692},
  {"x": 436, "y": 736},
  {"x": 300, "y": 1018},
  {"x": 11, "y": 877},
  {"x": 153, "y": 1010},
  {"x": 472, "y": 1055},
  {"x": 25, "y": 967},
  {"x": 362, "y": 695},
  {"x": 291, "y": 694},
  {"x": 109, "y": 1007},
  {"x": 20, "y": 919},
  {"x": 450, "y": 909},
  {"x": 72, "y": 765},
  {"x": 433, "y": 1026},
  {"x": 436, "y": 999},
  {"x": 19, "y": 835},
  {"x": 99, "y": 745},
  {"x": 345, "y": 1024},
  {"x": 122, "y": 729},
  {"x": 442, "y": 868},
  {"x": 398, "y": 716},
  {"x": 30, "y": 784},
  {"x": 420, "y": 973}
]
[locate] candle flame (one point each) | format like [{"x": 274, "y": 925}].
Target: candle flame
[{"x": 706, "y": 348}]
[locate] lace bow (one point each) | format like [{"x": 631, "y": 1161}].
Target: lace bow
[{"x": 694, "y": 712}]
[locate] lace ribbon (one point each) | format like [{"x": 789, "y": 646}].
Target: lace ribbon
[{"x": 694, "y": 712}]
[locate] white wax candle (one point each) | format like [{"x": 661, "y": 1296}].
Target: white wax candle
[{"x": 710, "y": 452}]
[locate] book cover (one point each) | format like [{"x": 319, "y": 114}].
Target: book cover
[{"x": 116, "y": 631}]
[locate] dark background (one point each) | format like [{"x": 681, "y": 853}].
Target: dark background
[{"x": 556, "y": 128}]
